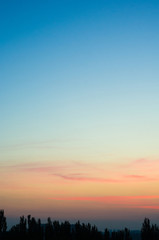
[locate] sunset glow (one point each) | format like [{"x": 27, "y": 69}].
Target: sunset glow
[{"x": 79, "y": 99}]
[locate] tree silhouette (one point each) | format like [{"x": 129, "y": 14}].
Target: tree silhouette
[
  {"x": 3, "y": 225},
  {"x": 127, "y": 234},
  {"x": 3, "y": 222},
  {"x": 146, "y": 230},
  {"x": 155, "y": 232},
  {"x": 106, "y": 234},
  {"x": 65, "y": 230},
  {"x": 149, "y": 231},
  {"x": 48, "y": 230},
  {"x": 31, "y": 229}
]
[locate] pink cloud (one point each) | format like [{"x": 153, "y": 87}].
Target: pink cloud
[
  {"x": 68, "y": 171},
  {"x": 150, "y": 207},
  {"x": 139, "y": 178},
  {"x": 141, "y": 161},
  {"x": 145, "y": 162},
  {"x": 74, "y": 177},
  {"x": 121, "y": 179},
  {"x": 133, "y": 200},
  {"x": 135, "y": 176}
]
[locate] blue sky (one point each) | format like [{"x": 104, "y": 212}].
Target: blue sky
[
  {"x": 70, "y": 67},
  {"x": 79, "y": 80},
  {"x": 80, "y": 60}
]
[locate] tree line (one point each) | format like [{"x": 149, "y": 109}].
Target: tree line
[{"x": 30, "y": 228}]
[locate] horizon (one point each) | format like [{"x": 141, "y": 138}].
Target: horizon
[
  {"x": 79, "y": 110},
  {"x": 111, "y": 225}
]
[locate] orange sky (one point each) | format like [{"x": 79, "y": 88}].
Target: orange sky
[{"x": 82, "y": 190}]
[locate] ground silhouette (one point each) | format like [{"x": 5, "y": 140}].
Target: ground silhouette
[{"x": 30, "y": 228}]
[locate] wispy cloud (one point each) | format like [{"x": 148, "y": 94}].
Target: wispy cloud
[
  {"x": 128, "y": 202},
  {"x": 141, "y": 161},
  {"x": 144, "y": 162},
  {"x": 139, "y": 178},
  {"x": 86, "y": 179},
  {"x": 82, "y": 172},
  {"x": 133, "y": 200},
  {"x": 120, "y": 179},
  {"x": 135, "y": 176},
  {"x": 36, "y": 166},
  {"x": 150, "y": 207},
  {"x": 35, "y": 145}
]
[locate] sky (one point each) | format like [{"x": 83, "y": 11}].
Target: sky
[{"x": 79, "y": 105}]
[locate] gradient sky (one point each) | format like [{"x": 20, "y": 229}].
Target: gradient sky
[{"x": 79, "y": 103}]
